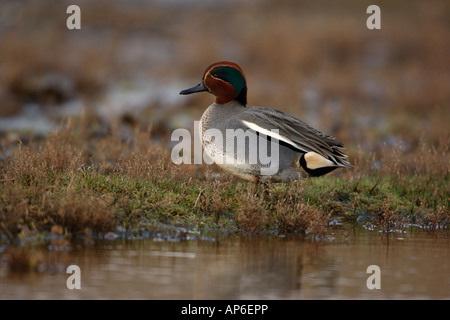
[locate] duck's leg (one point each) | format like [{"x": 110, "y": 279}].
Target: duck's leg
[{"x": 255, "y": 185}]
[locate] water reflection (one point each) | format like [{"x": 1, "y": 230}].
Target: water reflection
[{"x": 413, "y": 265}]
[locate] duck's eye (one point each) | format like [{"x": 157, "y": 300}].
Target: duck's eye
[{"x": 215, "y": 75}]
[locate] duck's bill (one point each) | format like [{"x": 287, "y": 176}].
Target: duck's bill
[{"x": 198, "y": 88}]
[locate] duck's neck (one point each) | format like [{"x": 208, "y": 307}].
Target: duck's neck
[{"x": 241, "y": 98}]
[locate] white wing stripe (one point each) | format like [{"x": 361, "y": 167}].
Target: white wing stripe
[{"x": 269, "y": 133}]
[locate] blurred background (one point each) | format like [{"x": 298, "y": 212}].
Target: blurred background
[{"x": 316, "y": 60}]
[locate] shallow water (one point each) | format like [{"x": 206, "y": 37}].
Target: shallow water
[{"x": 413, "y": 265}]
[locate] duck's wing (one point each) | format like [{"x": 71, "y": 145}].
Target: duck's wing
[{"x": 295, "y": 133}]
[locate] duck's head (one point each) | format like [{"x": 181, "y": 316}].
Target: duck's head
[{"x": 225, "y": 80}]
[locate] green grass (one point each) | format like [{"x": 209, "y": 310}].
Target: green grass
[{"x": 72, "y": 184}]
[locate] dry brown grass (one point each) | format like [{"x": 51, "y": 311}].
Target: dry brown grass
[
  {"x": 300, "y": 217},
  {"x": 72, "y": 185},
  {"x": 252, "y": 216}
]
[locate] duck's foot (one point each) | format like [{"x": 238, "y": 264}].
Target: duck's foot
[{"x": 255, "y": 186}]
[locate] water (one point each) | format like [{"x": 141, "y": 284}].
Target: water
[{"x": 413, "y": 265}]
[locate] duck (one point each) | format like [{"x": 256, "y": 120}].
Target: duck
[{"x": 302, "y": 151}]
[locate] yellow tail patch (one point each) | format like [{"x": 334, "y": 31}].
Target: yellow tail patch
[{"x": 315, "y": 161}]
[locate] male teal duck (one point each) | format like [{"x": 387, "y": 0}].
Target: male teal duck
[{"x": 301, "y": 149}]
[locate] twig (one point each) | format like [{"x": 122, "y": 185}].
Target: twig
[{"x": 198, "y": 197}]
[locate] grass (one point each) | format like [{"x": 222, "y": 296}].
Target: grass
[{"x": 70, "y": 184}]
